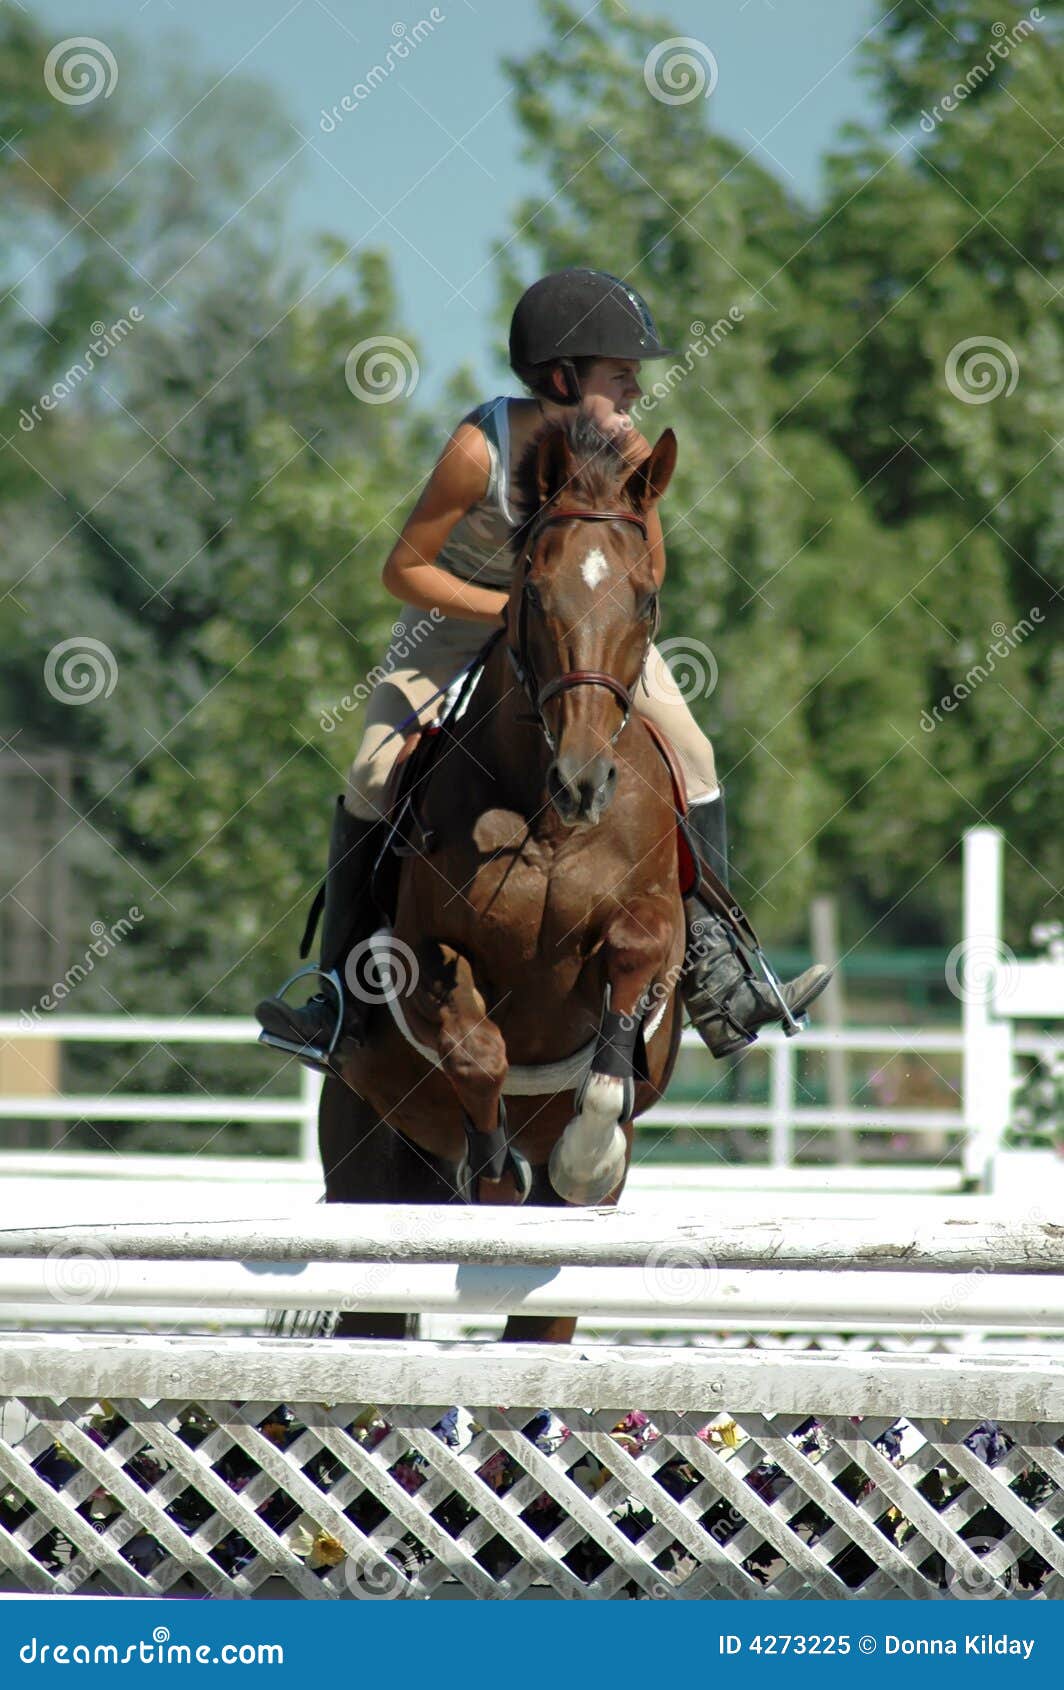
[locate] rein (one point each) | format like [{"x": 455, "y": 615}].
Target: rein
[{"x": 538, "y": 695}]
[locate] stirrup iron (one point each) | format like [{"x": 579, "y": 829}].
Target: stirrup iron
[
  {"x": 313, "y": 1055},
  {"x": 792, "y": 1024}
]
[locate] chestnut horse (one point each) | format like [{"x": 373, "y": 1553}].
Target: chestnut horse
[{"x": 538, "y": 937}]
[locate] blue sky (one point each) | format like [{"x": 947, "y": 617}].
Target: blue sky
[{"x": 428, "y": 166}]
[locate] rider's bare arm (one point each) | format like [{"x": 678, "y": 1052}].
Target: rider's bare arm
[
  {"x": 636, "y": 447},
  {"x": 459, "y": 480}
]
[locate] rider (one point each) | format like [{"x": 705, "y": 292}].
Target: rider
[{"x": 576, "y": 337}]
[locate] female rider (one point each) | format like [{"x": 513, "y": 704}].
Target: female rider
[{"x": 576, "y": 337}]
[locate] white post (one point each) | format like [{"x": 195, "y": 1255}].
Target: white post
[
  {"x": 309, "y": 1097},
  {"x": 987, "y": 1041},
  {"x": 782, "y": 1104},
  {"x": 824, "y": 927}
]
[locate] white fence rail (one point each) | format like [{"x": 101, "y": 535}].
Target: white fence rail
[
  {"x": 718, "y": 1300},
  {"x": 997, "y": 991},
  {"x": 783, "y": 1117},
  {"x": 946, "y": 1273},
  {"x": 430, "y": 1233}
]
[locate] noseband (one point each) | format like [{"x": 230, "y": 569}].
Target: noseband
[{"x": 538, "y": 695}]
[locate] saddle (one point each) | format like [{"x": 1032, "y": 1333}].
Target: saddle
[{"x": 408, "y": 836}]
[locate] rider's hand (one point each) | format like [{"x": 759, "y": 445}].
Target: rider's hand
[{"x": 613, "y": 423}]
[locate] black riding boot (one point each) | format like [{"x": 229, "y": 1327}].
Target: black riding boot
[
  {"x": 315, "y": 1029},
  {"x": 726, "y": 1002}
]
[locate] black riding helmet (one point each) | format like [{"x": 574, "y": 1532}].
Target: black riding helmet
[{"x": 581, "y": 314}]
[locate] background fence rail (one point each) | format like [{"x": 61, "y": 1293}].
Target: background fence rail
[{"x": 997, "y": 994}]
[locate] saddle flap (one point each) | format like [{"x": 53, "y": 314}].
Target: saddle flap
[{"x": 671, "y": 761}]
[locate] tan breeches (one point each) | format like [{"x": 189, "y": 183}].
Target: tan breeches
[{"x": 416, "y": 667}]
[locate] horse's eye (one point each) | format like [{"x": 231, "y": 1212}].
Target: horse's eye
[
  {"x": 650, "y": 607},
  {"x": 532, "y": 595}
]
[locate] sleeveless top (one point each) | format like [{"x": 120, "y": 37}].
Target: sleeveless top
[{"x": 478, "y": 546}]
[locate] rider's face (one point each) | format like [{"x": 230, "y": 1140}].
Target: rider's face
[{"x": 614, "y": 379}]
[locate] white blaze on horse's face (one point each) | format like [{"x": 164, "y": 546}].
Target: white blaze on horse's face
[{"x": 594, "y": 567}]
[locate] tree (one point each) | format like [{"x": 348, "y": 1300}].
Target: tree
[
  {"x": 831, "y": 530},
  {"x": 852, "y": 519},
  {"x": 938, "y": 274},
  {"x": 208, "y": 504}
]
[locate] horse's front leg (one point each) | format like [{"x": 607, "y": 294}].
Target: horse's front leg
[
  {"x": 446, "y": 1010},
  {"x": 590, "y": 1160}
]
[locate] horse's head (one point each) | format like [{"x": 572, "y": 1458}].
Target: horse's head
[{"x": 583, "y": 603}]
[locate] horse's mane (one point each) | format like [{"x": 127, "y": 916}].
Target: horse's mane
[{"x": 599, "y": 465}]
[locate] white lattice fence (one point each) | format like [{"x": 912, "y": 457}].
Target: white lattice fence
[{"x": 336, "y": 1469}]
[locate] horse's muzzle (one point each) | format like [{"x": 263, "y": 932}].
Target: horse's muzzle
[{"x": 581, "y": 792}]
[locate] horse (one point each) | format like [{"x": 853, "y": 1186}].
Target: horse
[{"x": 538, "y": 932}]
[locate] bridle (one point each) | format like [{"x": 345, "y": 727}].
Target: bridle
[{"x": 523, "y": 668}]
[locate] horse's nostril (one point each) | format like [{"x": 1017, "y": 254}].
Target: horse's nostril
[{"x": 580, "y": 791}]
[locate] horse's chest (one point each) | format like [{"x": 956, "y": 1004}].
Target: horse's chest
[{"x": 540, "y": 894}]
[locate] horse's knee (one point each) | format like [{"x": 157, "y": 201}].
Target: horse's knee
[
  {"x": 474, "y": 1060},
  {"x": 637, "y": 941}
]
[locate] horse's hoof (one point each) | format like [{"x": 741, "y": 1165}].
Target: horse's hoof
[
  {"x": 587, "y": 1178},
  {"x": 588, "y": 1183},
  {"x": 589, "y": 1159}
]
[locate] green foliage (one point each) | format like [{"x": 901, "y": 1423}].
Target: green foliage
[
  {"x": 232, "y": 568},
  {"x": 845, "y": 532}
]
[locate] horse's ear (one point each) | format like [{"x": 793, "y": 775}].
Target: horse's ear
[
  {"x": 553, "y": 464},
  {"x": 650, "y": 480}
]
